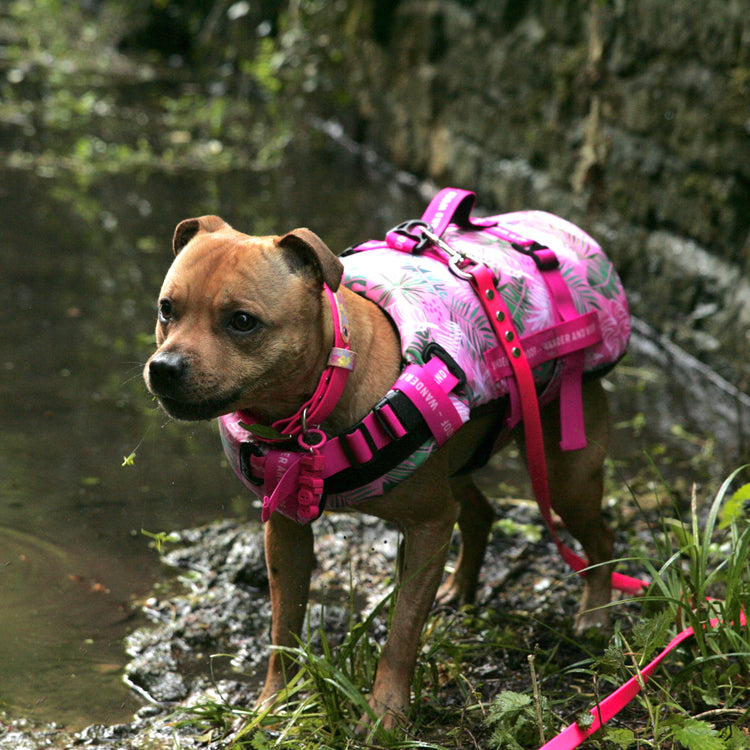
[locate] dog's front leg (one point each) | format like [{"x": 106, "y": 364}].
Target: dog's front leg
[
  {"x": 289, "y": 559},
  {"x": 422, "y": 561}
]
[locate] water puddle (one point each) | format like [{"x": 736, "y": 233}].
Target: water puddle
[{"x": 61, "y": 634}]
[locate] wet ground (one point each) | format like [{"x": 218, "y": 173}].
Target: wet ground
[{"x": 81, "y": 259}]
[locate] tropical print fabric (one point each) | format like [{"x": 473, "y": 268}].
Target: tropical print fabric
[{"x": 428, "y": 303}]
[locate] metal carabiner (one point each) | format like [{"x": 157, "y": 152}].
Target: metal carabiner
[{"x": 456, "y": 258}]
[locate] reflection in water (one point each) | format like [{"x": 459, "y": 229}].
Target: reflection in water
[
  {"x": 61, "y": 632},
  {"x": 79, "y": 269}
]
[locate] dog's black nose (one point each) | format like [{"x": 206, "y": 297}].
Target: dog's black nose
[{"x": 165, "y": 370}]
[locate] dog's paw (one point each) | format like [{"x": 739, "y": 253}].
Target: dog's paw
[
  {"x": 381, "y": 722},
  {"x": 447, "y": 597},
  {"x": 453, "y": 594}
]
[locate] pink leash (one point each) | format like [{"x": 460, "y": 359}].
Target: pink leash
[
  {"x": 574, "y": 734},
  {"x": 524, "y": 397}
]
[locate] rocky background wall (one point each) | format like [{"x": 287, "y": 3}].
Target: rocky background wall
[{"x": 631, "y": 117}]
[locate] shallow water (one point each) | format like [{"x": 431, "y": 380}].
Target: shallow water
[
  {"x": 80, "y": 265},
  {"x": 79, "y": 271}
]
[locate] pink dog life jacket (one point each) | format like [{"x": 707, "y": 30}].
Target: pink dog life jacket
[{"x": 568, "y": 309}]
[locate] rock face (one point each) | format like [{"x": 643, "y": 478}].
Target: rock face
[{"x": 631, "y": 118}]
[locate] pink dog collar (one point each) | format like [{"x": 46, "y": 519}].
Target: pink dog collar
[
  {"x": 302, "y": 478},
  {"x": 331, "y": 385}
]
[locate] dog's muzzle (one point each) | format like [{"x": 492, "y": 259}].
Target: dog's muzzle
[{"x": 181, "y": 389}]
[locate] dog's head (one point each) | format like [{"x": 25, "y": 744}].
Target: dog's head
[{"x": 240, "y": 321}]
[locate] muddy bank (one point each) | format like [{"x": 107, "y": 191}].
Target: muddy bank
[{"x": 223, "y": 609}]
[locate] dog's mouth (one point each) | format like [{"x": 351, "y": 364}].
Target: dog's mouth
[
  {"x": 185, "y": 393},
  {"x": 196, "y": 410}
]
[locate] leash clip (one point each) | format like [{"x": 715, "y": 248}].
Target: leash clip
[{"x": 457, "y": 259}]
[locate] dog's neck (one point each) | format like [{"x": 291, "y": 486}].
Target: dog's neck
[
  {"x": 373, "y": 338},
  {"x": 375, "y": 343}
]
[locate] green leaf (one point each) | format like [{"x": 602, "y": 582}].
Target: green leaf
[
  {"x": 509, "y": 703},
  {"x": 698, "y": 735},
  {"x": 161, "y": 538},
  {"x": 622, "y": 738},
  {"x": 264, "y": 432}
]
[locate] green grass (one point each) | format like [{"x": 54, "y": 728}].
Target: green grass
[{"x": 496, "y": 681}]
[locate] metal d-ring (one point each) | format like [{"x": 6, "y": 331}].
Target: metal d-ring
[{"x": 304, "y": 439}]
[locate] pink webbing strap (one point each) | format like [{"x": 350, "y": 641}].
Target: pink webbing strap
[
  {"x": 497, "y": 311},
  {"x": 453, "y": 206},
  {"x": 449, "y": 206},
  {"x": 294, "y": 481},
  {"x": 572, "y": 427},
  {"x": 555, "y": 342},
  {"x": 574, "y": 734},
  {"x": 427, "y": 387}
]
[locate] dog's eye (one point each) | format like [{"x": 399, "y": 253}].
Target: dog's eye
[
  {"x": 242, "y": 322},
  {"x": 166, "y": 310}
]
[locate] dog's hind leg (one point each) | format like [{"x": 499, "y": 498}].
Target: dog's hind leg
[
  {"x": 576, "y": 485},
  {"x": 474, "y": 522}
]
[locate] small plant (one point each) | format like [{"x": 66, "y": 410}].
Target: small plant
[
  {"x": 518, "y": 721},
  {"x": 704, "y": 582},
  {"x": 160, "y": 538}
]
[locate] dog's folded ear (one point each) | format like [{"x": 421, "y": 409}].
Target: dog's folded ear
[
  {"x": 312, "y": 251},
  {"x": 188, "y": 228}
]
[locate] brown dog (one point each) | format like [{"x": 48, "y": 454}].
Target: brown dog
[{"x": 244, "y": 325}]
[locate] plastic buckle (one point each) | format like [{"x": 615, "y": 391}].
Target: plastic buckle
[
  {"x": 388, "y": 420},
  {"x": 406, "y": 229},
  {"x": 545, "y": 261},
  {"x": 248, "y": 451},
  {"x": 433, "y": 349}
]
